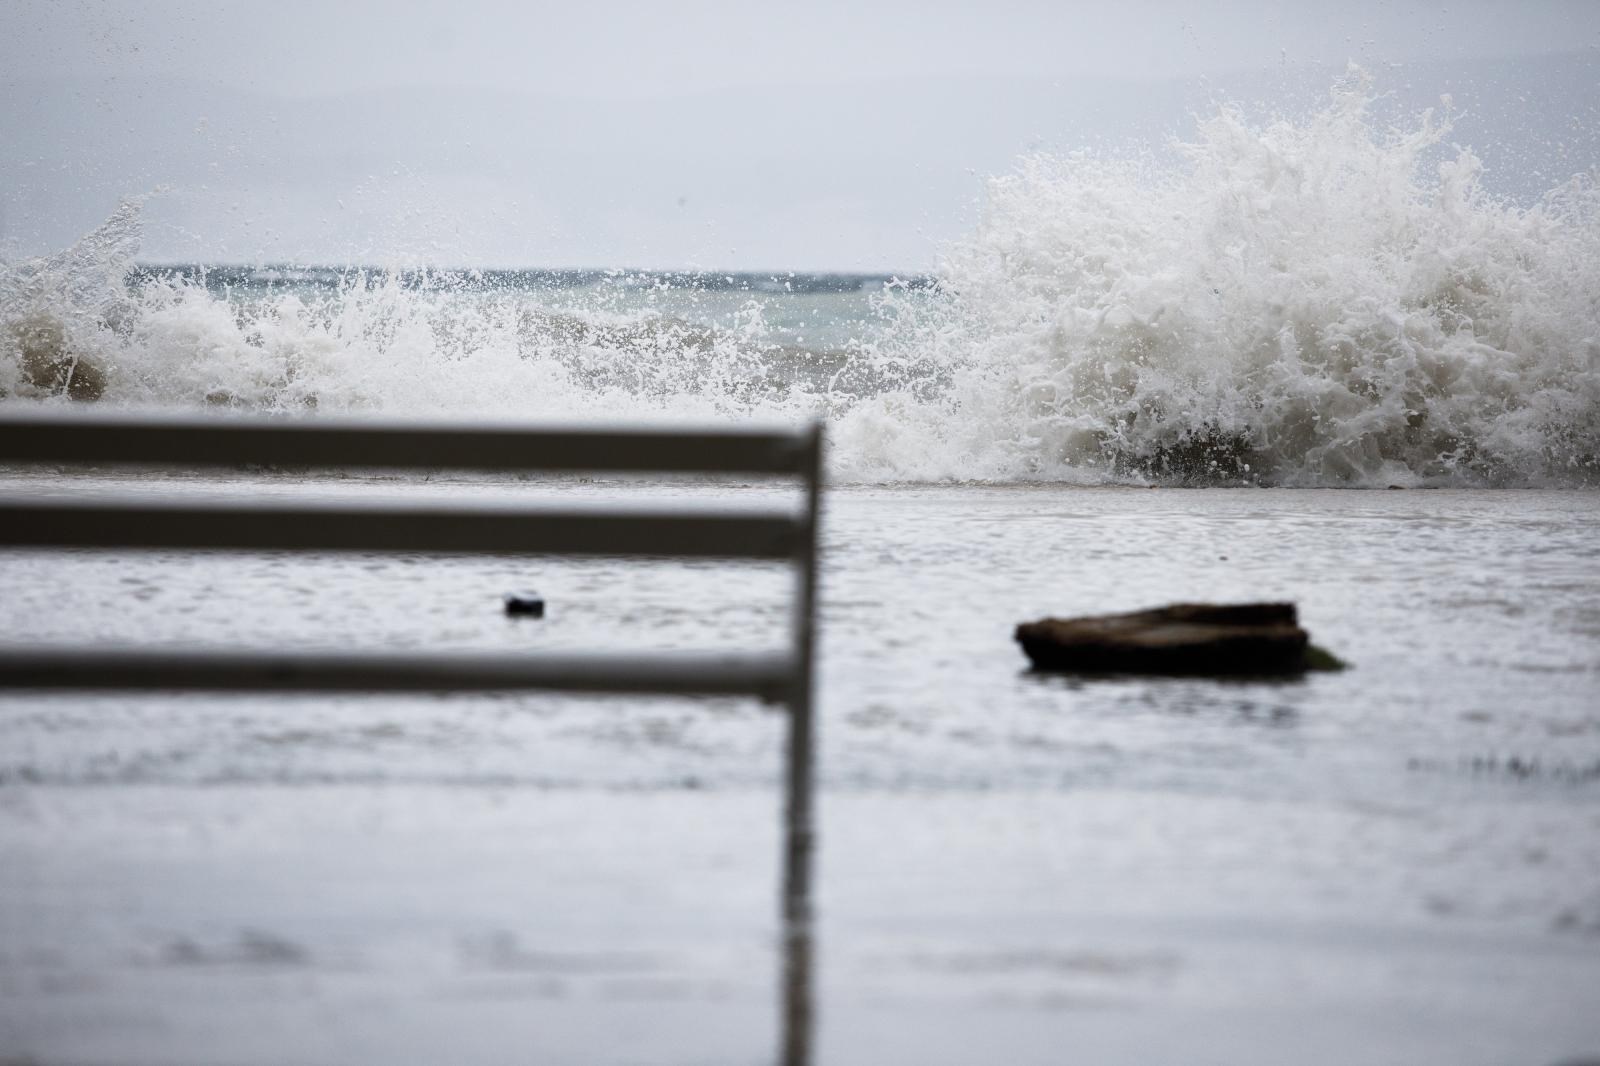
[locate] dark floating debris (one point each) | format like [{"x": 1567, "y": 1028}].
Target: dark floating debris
[
  {"x": 525, "y": 604},
  {"x": 1198, "y": 639}
]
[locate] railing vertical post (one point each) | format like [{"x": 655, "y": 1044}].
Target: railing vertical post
[{"x": 799, "y": 828}]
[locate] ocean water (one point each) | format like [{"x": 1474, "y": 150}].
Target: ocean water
[
  {"x": 1132, "y": 384},
  {"x": 1400, "y": 858},
  {"x": 1326, "y": 301}
]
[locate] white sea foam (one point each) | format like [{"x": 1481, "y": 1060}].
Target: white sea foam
[{"x": 1323, "y": 301}]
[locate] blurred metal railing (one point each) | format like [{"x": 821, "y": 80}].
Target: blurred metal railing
[{"x": 142, "y": 522}]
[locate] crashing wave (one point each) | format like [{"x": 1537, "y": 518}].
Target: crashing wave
[
  {"x": 54, "y": 312},
  {"x": 1328, "y": 301},
  {"x": 1305, "y": 303}
]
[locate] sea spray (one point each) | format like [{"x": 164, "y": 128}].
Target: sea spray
[
  {"x": 1326, "y": 301},
  {"x": 56, "y": 310},
  {"x": 1307, "y": 303},
  {"x": 402, "y": 343}
]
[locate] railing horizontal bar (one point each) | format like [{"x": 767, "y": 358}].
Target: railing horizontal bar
[
  {"x": 190, "y": 441},
  {"x": 135, "y": 522},
  {"x": 765, "y": 676}
]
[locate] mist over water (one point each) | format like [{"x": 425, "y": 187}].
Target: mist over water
[{"x": 1329, "y": 300}]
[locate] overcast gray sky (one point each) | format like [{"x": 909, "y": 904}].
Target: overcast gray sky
[
  {"x": 721, "y": 134},
  {"x": 626, "y": 48}
]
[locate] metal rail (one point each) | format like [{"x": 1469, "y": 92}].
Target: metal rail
[
  {"x": 765, "y": 677},
  {"x": 144, "y": 522},
  {"x": 268, "y": 525},
  {"x": 196, "y": 440}
]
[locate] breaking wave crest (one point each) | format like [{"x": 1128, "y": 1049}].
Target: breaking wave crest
[
  {"x": 1308, "y": 303},
  {"x": 1315, "y": 302}
]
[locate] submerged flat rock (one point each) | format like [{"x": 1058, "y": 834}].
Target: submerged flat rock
[{"x": 1183, "y": 638}]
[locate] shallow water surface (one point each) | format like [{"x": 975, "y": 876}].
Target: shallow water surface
[{"x": 1400, "y": 859}]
